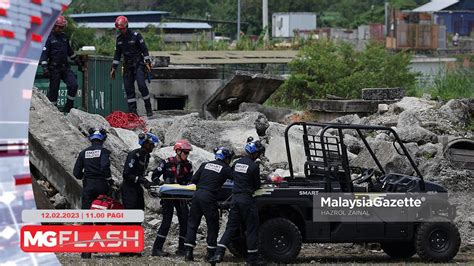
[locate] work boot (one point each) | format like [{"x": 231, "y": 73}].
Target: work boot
[
  {"x": 159, "y": 253},
  {"x": 68, "y": 106},
  {"x": 218, "y": 256},
  {"x": 86, "y": 255},
  {"x": 189, "y": 254},
  {"x": 181, "y": 251},
  {"x": 210, "y": 253},
  {"x": 149, "y": 112},
  {"x": 132, "y": 108}
]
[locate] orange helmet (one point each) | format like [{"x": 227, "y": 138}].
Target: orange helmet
[
  {"x": 121, "y": 22},
  {"x": 182, "y": 145},
  {"x": 61, "y": 21}
]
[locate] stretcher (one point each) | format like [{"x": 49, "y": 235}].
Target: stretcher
[{"x": 186, "y": 192}]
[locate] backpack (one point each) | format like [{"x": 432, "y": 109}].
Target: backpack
[{"x": 104, "y": 202}]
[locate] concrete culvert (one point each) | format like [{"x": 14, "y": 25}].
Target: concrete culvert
[{"x": 460, "y": 152}]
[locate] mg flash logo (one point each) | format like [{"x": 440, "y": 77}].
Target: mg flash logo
[{"x": 84, "y": 238}]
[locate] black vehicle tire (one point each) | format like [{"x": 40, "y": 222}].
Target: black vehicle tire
[
  {"x": 399, "y": 250},
  {"x": 437, "y": 241},
  {"x": 280, "y": 240}
]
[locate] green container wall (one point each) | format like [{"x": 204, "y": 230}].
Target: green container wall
[
  {"x": 42, "y": 84},
  {"x": 104, "y": 94}
]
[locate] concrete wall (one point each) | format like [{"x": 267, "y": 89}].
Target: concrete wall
[{"x": 196, "y": 90}]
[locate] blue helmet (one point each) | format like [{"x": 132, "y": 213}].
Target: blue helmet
[
  {"x": 254, "y": 146},
  {"x": 222, "y": 153},
  {"x": 144, "y": 137},
  {"x": 97, "y": 134}
]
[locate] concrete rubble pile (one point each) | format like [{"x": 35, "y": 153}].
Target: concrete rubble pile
[{"x": 424, "y": 126}]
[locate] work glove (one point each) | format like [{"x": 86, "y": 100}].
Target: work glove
[
  {"x": 147, "y": 184},
  {"x": 112, "y": 73},
  {"x": 46, "y": 72},
  {"x": 148, "y": 66}
]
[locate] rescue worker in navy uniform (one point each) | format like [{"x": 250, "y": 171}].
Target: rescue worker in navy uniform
[
  {"x": 54, "y": 60},
  {"x": 134, "y": 172},
  {"x": 246, "y": 176},
  {"x": 93, "y": 168},
  {"x": 209, "y": 178},
  {"x": 136, "y": 64},
  {"x": 175, "y": 170}
]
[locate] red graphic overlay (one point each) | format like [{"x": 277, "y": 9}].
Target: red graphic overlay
[{"x": 82, "y": 238}]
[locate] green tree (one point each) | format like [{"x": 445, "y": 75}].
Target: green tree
[{"x": 337, "y": 69}]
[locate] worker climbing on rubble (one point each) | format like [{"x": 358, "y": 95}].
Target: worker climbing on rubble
[
  {"x": 246, "y": 176},
  {"x": 93, "y": 168},
  {"x": 209, "y": 178},
  {"x": 175, "y": 170},
  {"x": 136, "y": 64},
  {"x": 54, "y": 60}
]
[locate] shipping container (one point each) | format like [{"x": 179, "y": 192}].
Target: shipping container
[
  {"x": 97, "y": 93},
  {"x": 104, "y": 94},
  {"x": 42, "y": 83}
]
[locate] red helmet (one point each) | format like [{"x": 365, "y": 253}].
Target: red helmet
[
  {"x": 182, "y": 145},
  {"x": 121, "y": 22},
  {"x": 61, "y": 21}
]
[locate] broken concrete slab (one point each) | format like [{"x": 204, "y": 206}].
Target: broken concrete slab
[
  {"x": 118, "y": 148},
  {"x": 54, "y": 146},
  {"x": 383, "y": 93},
  {"x": 275, "y": 114},
  {"x": 414, "y": 104},
  {"x": 184, "y": 72},
  {"x": 242, "y": 87},
  {"x": 129, "y": 137}
]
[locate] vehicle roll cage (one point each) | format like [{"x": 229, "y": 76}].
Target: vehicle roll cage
[{"x": 339, "y": 127}]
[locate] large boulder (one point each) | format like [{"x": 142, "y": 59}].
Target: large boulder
[
  {"x": 413, "y": 104},
  {"x": 388, "y": 157},
  {"x": 417, "y": 134},
  {"x": 208, "y": 134},
  {"x": 276, "y": 149},
  {"x": 457, "y": 111},
  {"x": 129, "y": 137}
]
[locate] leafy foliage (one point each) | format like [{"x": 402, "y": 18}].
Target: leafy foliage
[{"x": 337, "y": 69}]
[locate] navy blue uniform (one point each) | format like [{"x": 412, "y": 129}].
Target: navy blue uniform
[
  {"x": 174, "y": 172},
  {"x": 246, "y": 175},
  {"x": 133, "y": 48},
  {"x": 55, "y": 58},
  {"x": 209, "y": 178},
  {"x": 133, "y": 170},
  {"x": 93, "y": 167}
]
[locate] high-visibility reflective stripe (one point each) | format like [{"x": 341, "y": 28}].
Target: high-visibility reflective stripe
[
  {"x": 73, "y": 56},
  {"x": 189, "y": 245},
  {"x": 115, "y": 62},
  {"x": 221, "y": 245},
  {"x": 44, "y": 62},
  {"x": 146, "y": 57},
  {"x": 99, "y": 207},
  {"x": 146, "y": 97},
  {"x": 252, "y": 250},
  {"x": 162, "y": 236},
  {"x": 211, "y": 247},
  {"x": 132, "y": 100},
  {"x": 71, "y": 98}
]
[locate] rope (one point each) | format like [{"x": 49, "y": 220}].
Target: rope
[{"x": 127, "y": 121}]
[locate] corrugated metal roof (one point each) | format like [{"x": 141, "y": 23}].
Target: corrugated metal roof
[
  {"x": 107, "y": 14},
  {"x": 142, "y": 25},
  {"x": 435, "y": 5}
]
